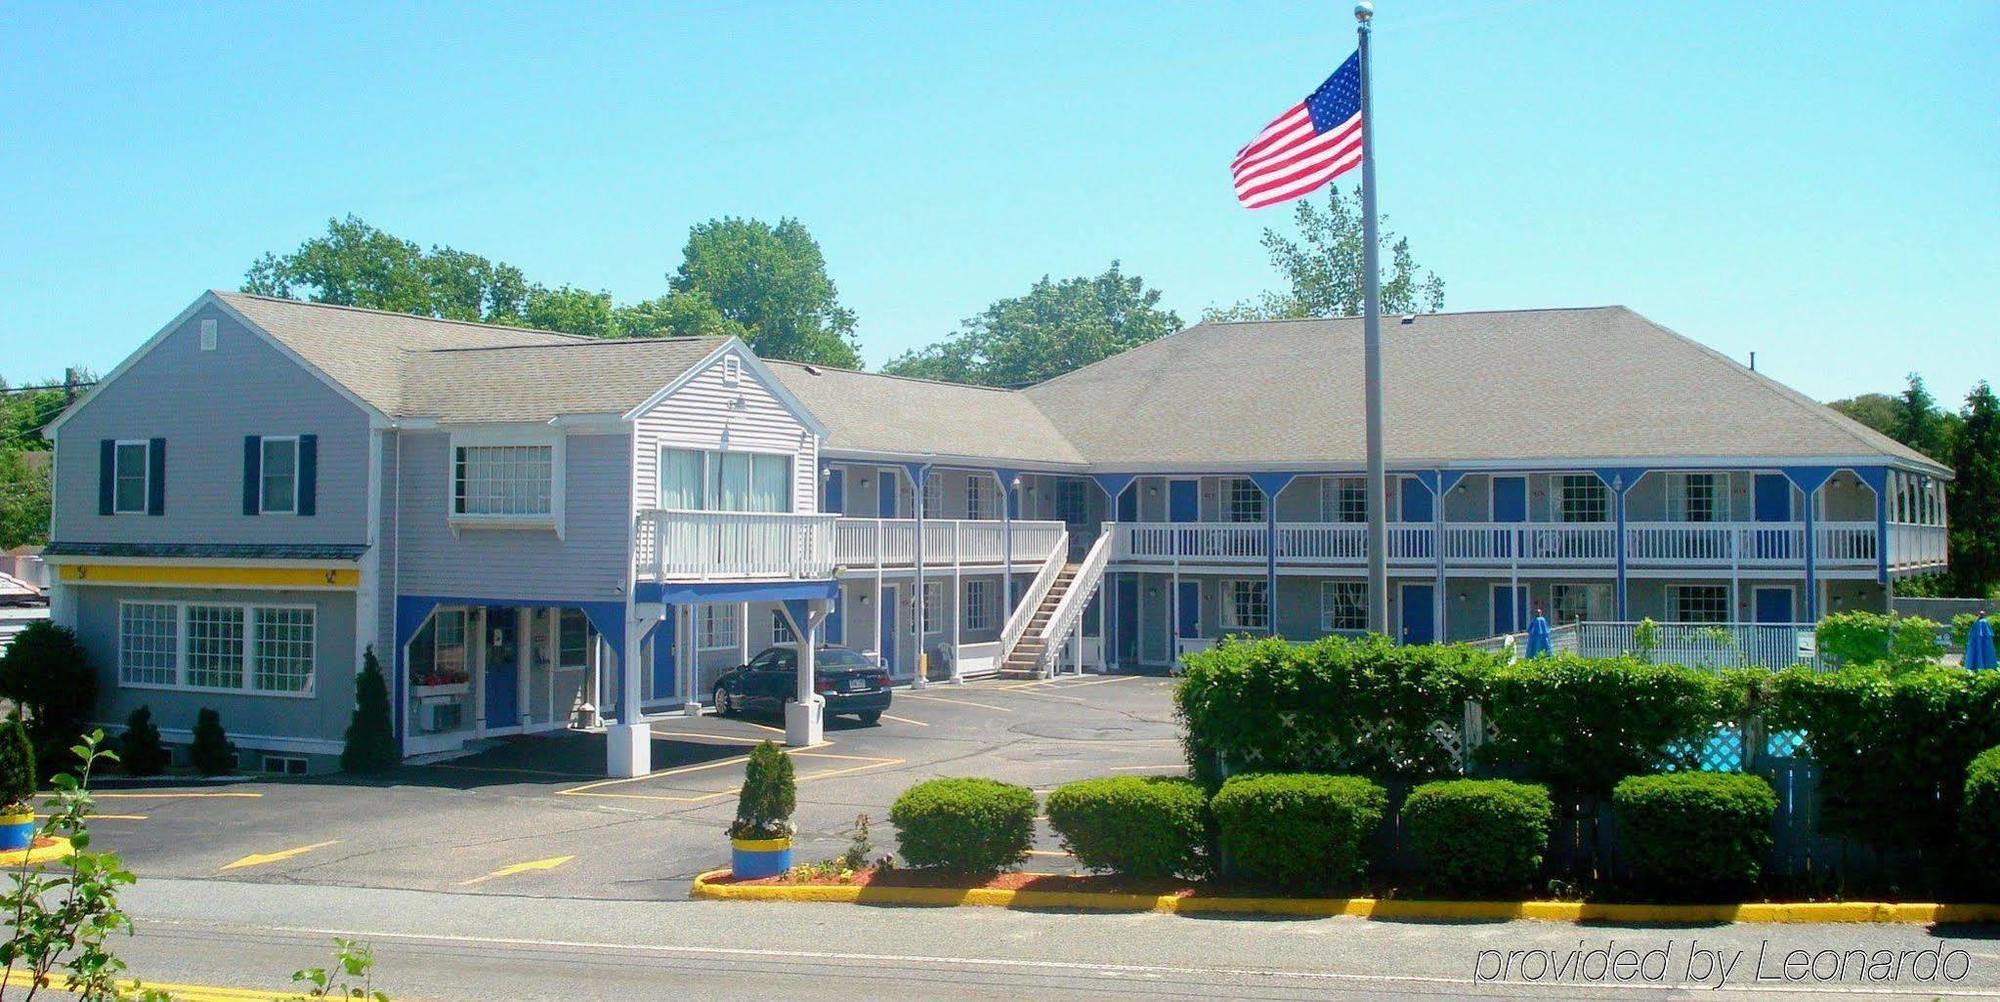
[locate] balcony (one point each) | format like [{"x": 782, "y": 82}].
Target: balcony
[
  {"x": 1749, "y": 544},
  {"x": 733, "y": 546},
  {"x": 863, "y": 543}
]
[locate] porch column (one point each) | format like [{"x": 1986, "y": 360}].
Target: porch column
[
  {"x": 920, "y": 475},
  {"x": 1009, "y": 484},
  {"x": 957, "y": 601},
  {"x": 1272, "y": 484},
  {"x": 524, "y": 650},
  {"x": 1810, "y": 480},
  {"x": 629, "y": 742},
  {"x": 805, "y": 715}
]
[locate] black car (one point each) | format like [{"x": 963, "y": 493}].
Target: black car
[{"x": 849, "y": 681}]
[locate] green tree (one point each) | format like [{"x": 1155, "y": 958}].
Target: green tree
[
  {"x": 1876, "y": 410},
  {"x": 47, "y": 675},
  {"x": 1322, "y": 268},
  {"x": 24, "y": 497},
  {"x": 1973, "y": 496},
  {"x": 371, "y": 736},
  {"x": 1918, "y": 421},
  {"x": 771, "y": 282},
  {"x": 571, "y": 310},
  {"x": 1055, "y": 328}
]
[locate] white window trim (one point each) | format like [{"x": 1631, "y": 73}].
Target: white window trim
[
  {"x": 934, "y": 610},
  {"x": 1326, "y": 608},
  {"x": 708, "y": 469},
  {"x": 717, "y": 610},
  {"x": 1674, "y": 603},
  {"x": 248, "y": 688},
  {"x": 1229, "y": 501},
  {"x": 1331, "y": 490},
  {"x": 781, "y": 629},
  {"x": 732, "y": 370},
  {"x": 262, "y": 466},
  {"x": 1229, "y": 621},
  {"x": 145, "y": 472},
  {"x": 975, "y": 497},
  {"x": 533, "y": 436},
  {"x": 1679, "y": 496},
  {"x": 978, "y": 602},
  {"x": 1558, "y": 512}
]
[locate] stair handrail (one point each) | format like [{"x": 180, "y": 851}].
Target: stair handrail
[
  {"x": 1089, "y": 574},
  {"x": 1031, "y": 600}
]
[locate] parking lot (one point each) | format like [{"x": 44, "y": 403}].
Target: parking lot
[{"x": 535, "y": 816}]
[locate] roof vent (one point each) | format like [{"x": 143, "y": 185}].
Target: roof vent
[
  {"x": 1409, "y": 318},
  {"x": 814, "y": 369},
  {"x": 208, "y": 335}
]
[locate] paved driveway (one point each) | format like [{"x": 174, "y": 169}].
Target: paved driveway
[{"x": 535, "y": 816}]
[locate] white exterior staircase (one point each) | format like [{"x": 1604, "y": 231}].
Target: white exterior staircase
[{"x": 1050, "y": 619}]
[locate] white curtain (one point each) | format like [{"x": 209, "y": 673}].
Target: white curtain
[{"x": 681, "y": 481}]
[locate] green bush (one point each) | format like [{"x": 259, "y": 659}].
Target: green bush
[
  {"x": 1153, "y": 826},
  {"x": 1582, "y": 723},
  {"x": 140, "y": 752},
  {"x": 1961, "y": 627},
  {"x": 1478, "y": 836},
  {"x": 1298, "y": 829},
  {"x": 1689, "y": 833},
  {"x": 211, "y": 751},
  {"x": 1361, "y": 706},
  {"x": 1979, "y": 815},
  {"x": 371, "y": 736},
  {"x": 17, "y": 765},
  {"x": 47, "y": 675},
  {"x": 964, "y": 825},
  {"x": 1892, "y": 747},
  {"x": 769, "y": 796},
  {"x": 1858, "y": 639}
]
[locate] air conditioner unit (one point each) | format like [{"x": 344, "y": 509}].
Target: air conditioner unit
[{"x": 436, "y": 715}]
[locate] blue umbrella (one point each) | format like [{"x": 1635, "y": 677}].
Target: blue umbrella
[
  {"x": 1538, "y": 637},
  {"x": 1979, "y": 653}
]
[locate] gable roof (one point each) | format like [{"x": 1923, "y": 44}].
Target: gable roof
[
  {"x": 537, "y": 382},
  {"x": 869, "y": 412},
  {"x": 1570, "y": 385}
]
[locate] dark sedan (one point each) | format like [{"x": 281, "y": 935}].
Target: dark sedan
[{"x": 849, "y": 681}]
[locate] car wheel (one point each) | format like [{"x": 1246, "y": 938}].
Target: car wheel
[
  {"x": 722, "y": 707},
  {"x": 871, "y": 716}
]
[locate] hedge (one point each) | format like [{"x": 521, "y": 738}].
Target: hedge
[
  {"x": 1855, "y": 639},
  {"x": 1892, "y": 747},
  {"x": 1478, "y": 837},
  {"x": 1584, "y": 723},
  {"x": 1298, "y": 829},
  {"x": 964, "y": 825},
  {"x": 1979, "y": 815},
  {"x": 1333, "y": 706},
  {"x": 1153, "y": 826},
  {"x": 1691, "y": 833}
]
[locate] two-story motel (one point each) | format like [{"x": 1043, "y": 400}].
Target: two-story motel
[{"x": 268, "y": 489}]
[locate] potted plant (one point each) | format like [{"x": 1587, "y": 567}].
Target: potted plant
[
  {"x": 760, "y": 840},
  {"x": 17, "y": 787}
]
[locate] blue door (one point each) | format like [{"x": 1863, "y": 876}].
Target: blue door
[
  {"x": 1772, "y": 503},
  {"x": 1419, "y": 619},
  {"x": 502, "y": 674},
  {"x": 1128, "y": 503},
  {"x": 1510, "y": 617},
  {"x": 1774, "y": 605},
  {"x": 833, "y": 497},
  {"x": 833, "y": 631},
  {"x": 1416, "y": 500},
  {"x": 1128, "y": 619},
  {"x": 1190, "y": 609},
  {"x": 885, "y": 636},
  {"x": 663, "y": 657},
  {"x": 1510, "y": 499},
  {"x": 1183, "y": 501},
  {"x": 885, "y": 493}
]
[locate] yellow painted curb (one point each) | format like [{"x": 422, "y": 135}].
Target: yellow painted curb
[
  {"x": 1368, "y": 908},
  {"x": 46, "y": 854}
]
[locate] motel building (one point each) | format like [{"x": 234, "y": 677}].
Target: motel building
[{"x": 536, "y": 531}]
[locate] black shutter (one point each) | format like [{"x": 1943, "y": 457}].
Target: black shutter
[
  {"x": 308, "y": 474},
  {"x": 253, "y": 474},
  {"x": 156, "y": 469},
  {"x": 107, "y": 474}
]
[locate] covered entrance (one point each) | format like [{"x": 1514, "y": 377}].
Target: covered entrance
[{"x": 470, "y": 671}]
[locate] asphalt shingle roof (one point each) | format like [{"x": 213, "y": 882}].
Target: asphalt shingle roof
[
  {"x": 537, "y": 382},
  {"x": 869, "y": 412},
  {"x": 221, "y": 551}
]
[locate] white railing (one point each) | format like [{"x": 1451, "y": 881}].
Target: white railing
[
  {"x": 1706, "y": 645},
  {"x": 1749, "y": 544},
  {"x": 1845, "y": 543},
  {"x": 709, "y": 545},
  {"x": 1038, "y": 589},
  {"x": 1082, "y": 587},
  {"x": 891, "y": 542},
  {"x": 1916, "y": 545}
]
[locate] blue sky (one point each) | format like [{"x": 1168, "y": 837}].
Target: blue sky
[{"x": 1816, "y": 182}]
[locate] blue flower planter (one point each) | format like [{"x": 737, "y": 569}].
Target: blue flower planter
[
  {"x": 750, "y": 858},
  {"x": 17, "y": 832}
]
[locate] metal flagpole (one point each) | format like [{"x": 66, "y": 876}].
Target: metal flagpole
[{"x": 1371, "y": 339}]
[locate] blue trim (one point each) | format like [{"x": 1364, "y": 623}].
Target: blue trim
[
  {"x": 1877, "y": 479},
  {"x": 1114, "y": 484},
  {"x": 1272, "y": 484},
  {"x": 1448, "y": 479},
  {"x": 1809, "y": 480},
  {"x": 698, "y": 593},
  {"x": 1620, "y": 479},
  {"x": 413, "y": 611}
]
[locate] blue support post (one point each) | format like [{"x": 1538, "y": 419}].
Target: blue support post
[
  {"x": 1809, "y": 479},
  {"x": 1272, "y": 484}
]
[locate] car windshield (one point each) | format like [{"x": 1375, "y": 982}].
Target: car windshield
[{"x": 841, "y": 657}]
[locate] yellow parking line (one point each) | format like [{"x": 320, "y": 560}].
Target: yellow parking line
[
  {"x": 903, "y": 720},
  {"x": 723, "y": 738},
  {"x": 216, "y": 993},
  {"x": 1101, "y": 681},
  {"x": 528, "y": 867},
  {"x": 961, "y": 702},
  {"x": 260, "y": 858},
  {"x": 1048, "y": 852},
  {"x": 590, "y": 789}
]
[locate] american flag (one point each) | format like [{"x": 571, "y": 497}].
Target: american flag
[{"x": 1312, "y": 143}]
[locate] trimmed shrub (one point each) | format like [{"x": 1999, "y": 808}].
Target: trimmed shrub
[
  {"x": 1693, "y": 832},
  {"x": 770, "y": 793},
  {"x": 1979, "y": 815},
  {"x": 140, "y": 752},
  {"x": 17, "y": 765},
  {"x": 1478, "y": 836},
  {"x": 47, "y": 675},
  {"x": 1361, "y": 706},
  {"x": 371, "y": 736},
  {"x": 211, "y": 752},
  {"x": 964, "y": 825},
  {"x": 1584, "y": 723},
  {"x": 1298, "y": 829},
  {"x": 1892, "y": 747},
  {"x": 1152, "y": 826}
]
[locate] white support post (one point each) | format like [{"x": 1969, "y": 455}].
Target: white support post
[
  {"x": 805, "y": 715},
  {"x": 957, "y": 600},
  {"x": 629, "y": 743},
  {"x": 689, "y": 662},
  {"x": 1076, "y": 644}
]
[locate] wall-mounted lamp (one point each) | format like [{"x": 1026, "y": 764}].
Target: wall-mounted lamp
[
  {"x": 865, "y": 603},
  {"x": 1015, "y": 483}
]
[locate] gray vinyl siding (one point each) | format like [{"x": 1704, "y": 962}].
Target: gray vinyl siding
[
  {"x": 203, "y": 403},
  {"x": 704, "y": 414},
  {"x": 589, "y": 563},
  {"x": 247, "y": 717}
]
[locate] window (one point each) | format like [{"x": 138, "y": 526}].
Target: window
[
  {"x": 978, "y": 606},
  {"x": 505, "y": 481},
  {"x": 975, "y": 496},
  {"x": 933, "y": 496},
  {"x": 1698, "y": 603},
  {"x": 1343, "y": 499},
  {"x": 1577, "y": 603},
  {"x": 1584, "y": 498},
  {"x": 149, "y": 643},
  {"x": 283, "y": 660},
  {"x": 732, "y": 370},
  {"x": 1343, "y": 605},
  {"x": 279, "y": 472},
  {"x": 208, "y": 335},
  {"x": 130, "y": 486},
  {"x": 697, "y": 480},
  {"x": 1246, "y": 605},
  {"x": 933, "y": 608},
  {"x": 1698, "y": 497},
  {"x": 215, "y": 646},
  {"x": 781, "y": 628},
  {"x": 716, "y": 627},
  {"x": 1245, "y": 500},
  {"x": 573, "y": 638}
]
